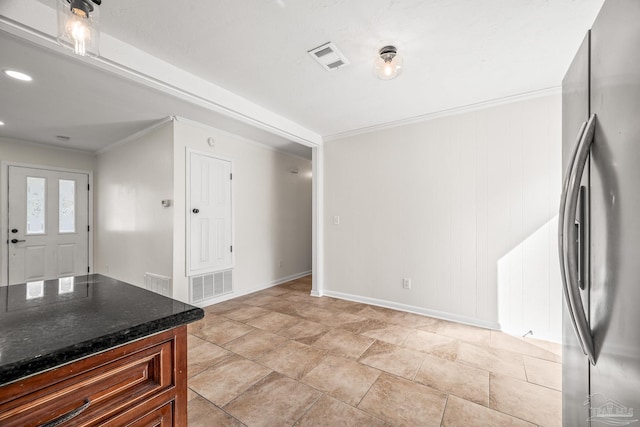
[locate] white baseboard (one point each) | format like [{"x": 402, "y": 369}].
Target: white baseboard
[
  {"x": 286, "y": 279},
  {"x": 356, "y": 298},
  {"x": 413, "y": 309},
  {"x": 232, "y": 295}
]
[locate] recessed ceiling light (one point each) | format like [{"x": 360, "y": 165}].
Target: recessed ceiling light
[{"x": 18, "y": 75}]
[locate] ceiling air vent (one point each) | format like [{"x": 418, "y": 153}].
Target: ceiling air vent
[{"x": 329, "y": 56}]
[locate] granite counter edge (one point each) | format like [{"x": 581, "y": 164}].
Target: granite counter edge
[{"x": 15, "y": 371}]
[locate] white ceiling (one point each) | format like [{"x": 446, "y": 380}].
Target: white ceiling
[
  {"x": 93, "y": 107},
  {"x": 457, "y": 53}
]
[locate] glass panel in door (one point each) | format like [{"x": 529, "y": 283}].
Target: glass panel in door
[
  {"x": 36, "y": 205},
  {"x": 67, "y": 206}
]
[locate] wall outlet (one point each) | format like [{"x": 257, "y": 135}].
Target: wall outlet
[
  {"x": 336, "y": 219},
  {"x": 406, "y": 282},
  {"x": 280, "y": 264}
]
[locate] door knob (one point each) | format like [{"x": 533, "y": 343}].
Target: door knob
[
  {"x": 16, "y": 240},
  {"x": 195, "y": 210}
]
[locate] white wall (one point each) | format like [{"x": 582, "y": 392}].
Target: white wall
[
  {"x": 134, "y": 232},
  {"x": 271, "y": 209},
  {"x": 19, "y": 151},
  {"x": 464, "y": 205},
  {"x": 14, "y": 150}
]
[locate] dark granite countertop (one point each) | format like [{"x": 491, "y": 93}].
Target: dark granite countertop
[{"x": 51, "y": 323}]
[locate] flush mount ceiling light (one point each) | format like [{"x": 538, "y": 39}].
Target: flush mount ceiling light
[
  {"x": 78, "y": 26},
  {"x": 1, "y": 123},
  {"x": 388, "y": 64},
  {"x": 18, "y": 75}
]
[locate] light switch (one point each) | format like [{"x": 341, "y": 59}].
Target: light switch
[{"x": 336, "y": 220}]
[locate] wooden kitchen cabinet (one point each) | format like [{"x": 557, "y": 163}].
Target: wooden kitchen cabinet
[{"x": 142, "y": 383}]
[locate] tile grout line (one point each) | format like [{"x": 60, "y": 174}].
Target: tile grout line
[
  {"x": 210, "y": 402},
  {"x": 526, "y": 382},
  {"x": 524, "y": 369},
  {"x": 357, "y": 359},
  {"x": 505, "y": 413},
  {"x": 444, "y": 410},
  {"x": 246, "y": 389},
  {"x": 310, "y": 406},
  {"x": 424, "y": 359},
  {"x": 367, "y": 392}
]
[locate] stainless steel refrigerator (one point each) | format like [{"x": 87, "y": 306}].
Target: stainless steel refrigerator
[{"x": 599, "y": 224}]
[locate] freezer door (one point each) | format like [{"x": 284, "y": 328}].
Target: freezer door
[
  {"x": 575, "y": 367},
  {"x": 615, "y": 210}
]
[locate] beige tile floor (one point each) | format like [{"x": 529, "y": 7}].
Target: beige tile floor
[{"x": 281, "y": 358}]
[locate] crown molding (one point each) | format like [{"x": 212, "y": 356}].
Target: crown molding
[
  {"x": 51, "y": 146},
  {"x": 444, "y": 113},
  {"x": 137, "y": 135}
]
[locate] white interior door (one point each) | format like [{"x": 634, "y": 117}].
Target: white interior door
[
  {"x": 48, "y": 224},
  {"x": 209, "y": 215}
]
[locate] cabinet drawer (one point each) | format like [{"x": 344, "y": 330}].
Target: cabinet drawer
[
  {"x": 104, "y": 390},
  {"x": 143, "y": 417}
]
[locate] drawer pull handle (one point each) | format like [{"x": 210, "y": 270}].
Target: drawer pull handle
[{"x": 69, "y": 415}]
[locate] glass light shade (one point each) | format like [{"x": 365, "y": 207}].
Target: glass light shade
[
  {"x": 388, "y": 68},
  {"x": 78, "y": 31}
]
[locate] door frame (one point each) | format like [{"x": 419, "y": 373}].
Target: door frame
[
  {"x": 317, "y": 221},
  {"x": 187, "y": 202},
  {"x": 4, "y": 211}
]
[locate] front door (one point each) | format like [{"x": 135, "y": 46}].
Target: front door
[{"x": 48, "y": 224}]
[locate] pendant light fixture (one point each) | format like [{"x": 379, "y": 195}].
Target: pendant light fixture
[
  {"x": 78, "y": 26},
  {"x": 388, "y": 64}
]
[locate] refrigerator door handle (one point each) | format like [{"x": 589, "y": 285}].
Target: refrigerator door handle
[
  {"x": 561, "y": 215},
  {"x": 568, "y": 236}
]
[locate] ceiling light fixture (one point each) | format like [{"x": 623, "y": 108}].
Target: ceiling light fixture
[
  {"x": 18, "y": 75},
  {"x": 78, "y": 26},
  {"x": 1, "y": 123},
  {"x": 388, "y": 64}
]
